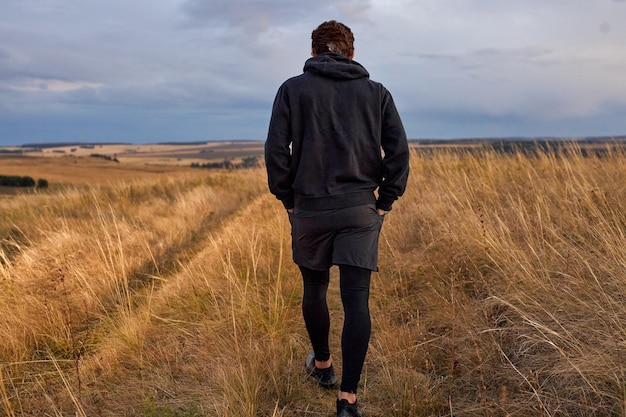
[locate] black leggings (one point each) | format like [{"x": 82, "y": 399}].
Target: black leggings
[{"x": 355, "y": 287}]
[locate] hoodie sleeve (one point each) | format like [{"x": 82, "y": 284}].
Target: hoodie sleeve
[
  {"x": 278, "y": 151},
  {"x": 396, "y": 155}
]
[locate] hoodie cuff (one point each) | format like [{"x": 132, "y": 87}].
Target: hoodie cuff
[
  {"x": 386, "y": 206},
  {"x": 288, "y": 203}
]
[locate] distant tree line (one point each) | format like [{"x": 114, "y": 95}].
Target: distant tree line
[
  {"x": 17, "y": 181},
  {"x": 533, "y": 148},
  {"x": 65, "y": 144},
  {"x": 107, "y": 157},
  {"x": 248, "y": 162}
]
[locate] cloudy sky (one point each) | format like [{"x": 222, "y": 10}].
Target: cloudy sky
[{"x": 146, "y": 71}]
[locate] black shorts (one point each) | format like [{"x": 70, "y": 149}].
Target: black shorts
[{"x": 346, "y": 236}]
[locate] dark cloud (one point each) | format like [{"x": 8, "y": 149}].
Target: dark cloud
[
  {"x": 261, "y": 16},
  {"x": 239, "y": 14},
  {"x": 452, "y": 124},
  {"x": 485, "y": 60}
]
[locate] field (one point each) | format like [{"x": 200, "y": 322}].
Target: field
[{"x": 146, "y": 287}]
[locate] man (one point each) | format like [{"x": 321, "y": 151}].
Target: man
[{"x": 334, "y": 139}]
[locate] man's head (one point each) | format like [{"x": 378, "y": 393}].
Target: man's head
[{"x": 333, "y": 36}]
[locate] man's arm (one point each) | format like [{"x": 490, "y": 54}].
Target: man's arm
[
  {"x": 396, "y": 156},
  {"x": 278, "y": 152}
]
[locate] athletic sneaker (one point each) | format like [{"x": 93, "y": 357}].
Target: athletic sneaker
[
  {"x": 325, "y": 377},
  {"x": 345, "y": 409}
]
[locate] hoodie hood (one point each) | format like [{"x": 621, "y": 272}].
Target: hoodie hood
[{"x": 335, "y": 66}]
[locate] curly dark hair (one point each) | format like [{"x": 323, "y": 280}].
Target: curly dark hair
[{"x": 333, "y": 36}]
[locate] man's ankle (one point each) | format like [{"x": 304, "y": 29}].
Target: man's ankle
[
  {"x": 323, "y": 364},
  {"x": 348, "y": 396}
]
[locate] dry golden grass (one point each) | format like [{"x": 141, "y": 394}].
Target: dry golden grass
[
  {"x": 62, "y": 171},
  {"x": 500, "y": 293}
]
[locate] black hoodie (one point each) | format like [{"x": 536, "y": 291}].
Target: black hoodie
[{"x": 334, "y": 137}]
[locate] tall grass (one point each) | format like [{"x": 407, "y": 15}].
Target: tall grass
[
  {"x": 500, "y": 293},
  {"x": 511, "y": 268}
]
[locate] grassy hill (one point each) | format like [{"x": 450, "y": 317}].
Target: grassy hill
[{"x": 172, "y": 293}]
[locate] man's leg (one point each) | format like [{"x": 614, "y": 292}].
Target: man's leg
[
  {"x": 355, "y": 287},
  {"x": 315, "y": 311}
]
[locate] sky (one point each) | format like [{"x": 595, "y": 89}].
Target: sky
[{"x": 150, "y": 71}]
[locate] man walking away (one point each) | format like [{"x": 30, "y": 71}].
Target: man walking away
[{"x": 337, "y": 158}]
